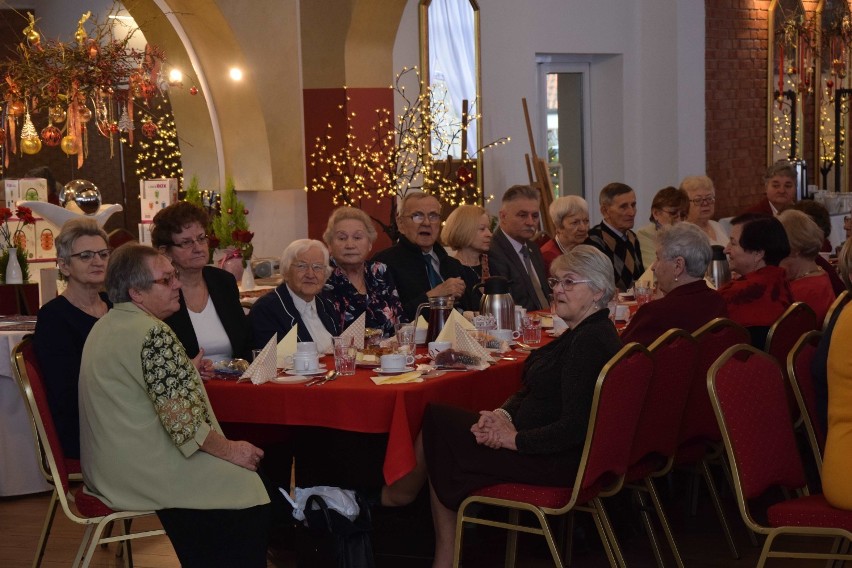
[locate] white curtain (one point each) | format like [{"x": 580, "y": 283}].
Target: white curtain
[{"x": 452, "y": 58}]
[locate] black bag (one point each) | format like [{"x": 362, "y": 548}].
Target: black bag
[{"x": 333, "y": 540}]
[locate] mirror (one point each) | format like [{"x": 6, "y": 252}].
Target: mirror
[
  {"x": 450, "y": 67},
  {"x": 790, "y": 64},
  {"x": 833, "y": 94}
]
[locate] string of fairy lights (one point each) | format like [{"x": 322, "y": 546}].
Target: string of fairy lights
[{"x": 157, "y": 155}]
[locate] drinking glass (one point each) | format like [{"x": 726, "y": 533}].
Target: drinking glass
[
  {"x": 531, "y": 328},
  {"x": 484, "y": 324},
  {"x": 644, "y": 294},
  {"x": 344, "y": 355},
  {"x": 405, "y": 336}
]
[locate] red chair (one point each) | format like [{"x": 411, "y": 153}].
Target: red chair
[
  {"x": 836, "y": 306},
  {"x": 786, "y": 331},
  {"x": 747, "y": 391},
  {"x": 87, "y": 510},
  {"x": 699, "y": 439},
  {"x": 802, "y": 383},
  {"x": 616, "y": 406}
]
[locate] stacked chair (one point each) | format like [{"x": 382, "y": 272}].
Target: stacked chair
[
  {"x": 802, "y": 382},
  {"x": 836, "y": 306}
]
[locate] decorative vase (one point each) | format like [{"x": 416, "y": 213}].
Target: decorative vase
[
  {"x": 247, "y": 282},
  {"x": 14, "y": 274},
  {"x": 234, "y": 265}
]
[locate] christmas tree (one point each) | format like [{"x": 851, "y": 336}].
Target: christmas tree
[
  {"x": 193, "y": 194},
  {"x": 231, "y": 227}
]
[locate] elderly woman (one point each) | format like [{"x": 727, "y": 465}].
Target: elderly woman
[
  {"x": 210, "y": 319},
  {"x": 757, "y": 246},
  {"x": 468, "y": 232},
  {"x": 537, "y": 435},
  {"x": 297, "y": 301},
  {"x": 65, "y": 322},
  {"x": 358, "y": 286},
  {"x": 570, "y": 216},
  {"x": 702, "y": 207},
  {"x": 670, "y": 206},
  {"x": 683, "y": 254},
  {"x": 148, "y": 436},
  {"x": 809, "y": 283}
]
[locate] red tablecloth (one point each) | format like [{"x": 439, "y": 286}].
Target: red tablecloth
[{"x": 355, "y": 404}]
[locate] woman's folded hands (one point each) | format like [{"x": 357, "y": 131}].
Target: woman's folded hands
[{"x": 494, "y": 430}]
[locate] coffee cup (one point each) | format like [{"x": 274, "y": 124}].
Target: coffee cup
[
  {"x": 396, "y": 361},
  {"x": 436, "y": 347},
  {"x": 306, "y": 347},
  {"x": 303, "y": 361},
  {"x": 504, "y": 334}
]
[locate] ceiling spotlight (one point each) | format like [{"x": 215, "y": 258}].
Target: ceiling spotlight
[
  {"x": 236, "y": 73},
  {"x": 175, "y": 77}
]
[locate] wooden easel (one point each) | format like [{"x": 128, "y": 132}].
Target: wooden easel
[{"x": 539, "y": 176}]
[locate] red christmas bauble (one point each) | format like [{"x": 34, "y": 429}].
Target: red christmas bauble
[
  {"x": 245, "y": 211},
  {"x": 51, "y": 135},
  {"x": 17, "y": 108},
  {"x": 193, "y": 90},
  {"x": 149, "y": 129}
]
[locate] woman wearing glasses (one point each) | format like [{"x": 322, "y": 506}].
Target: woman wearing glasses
[
  {"x": 64, "y": 323},
  {"x": 702, "y": 207},
  {"x": 537, "y": 435},
  {"x": 297, "y": 301},
  {"x": 670, "y": 206},
  {"x": 210, "y": 317}
]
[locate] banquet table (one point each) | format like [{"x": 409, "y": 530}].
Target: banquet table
[
  {"x": 354, "y": 403},
  {"x": 19, "y": 471}
]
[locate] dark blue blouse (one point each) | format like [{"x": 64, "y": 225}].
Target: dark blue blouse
[{"x": 381, "y": 302}]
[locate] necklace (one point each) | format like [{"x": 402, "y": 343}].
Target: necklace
[
  {"x": 195, "y": 302},
  {"x": 559, "y": 244},
  {"x": 816, "y": 270}
]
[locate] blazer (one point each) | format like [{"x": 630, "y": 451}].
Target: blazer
[
  {"x": 503, "y": 260},
  {"x": 405, "y": 263},
  {"x": 275, "y": 313},
  {"x": 761, "y": 206},
  {"x": 222, "y": 287}
]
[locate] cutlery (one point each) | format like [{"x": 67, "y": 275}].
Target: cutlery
[
  {"x": 329, "y": 376},
  {"x": 316, "y": 380},
  {"x": 526, "y": 347}
]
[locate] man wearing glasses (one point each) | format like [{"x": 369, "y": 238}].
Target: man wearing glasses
[
  {"x": 614, "y": 237},
  {"x": 514, "y": 255},
  {"x": 420, "y": 267}
]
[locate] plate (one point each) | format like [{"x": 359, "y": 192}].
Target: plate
[
  {"x": 294, "y": 380},
  {"x": 381, "y": 371},
  {"x": 311, "y": 373}
]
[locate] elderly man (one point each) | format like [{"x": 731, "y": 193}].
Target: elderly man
[
  {"x": 780, "y": 180},
  {"x": 420, "y": 267},
  {"x": 513, "y": 255},
  {"x": 614, "y": 237}
]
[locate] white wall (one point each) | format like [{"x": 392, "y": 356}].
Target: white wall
[{"x": 647, "y": 84}]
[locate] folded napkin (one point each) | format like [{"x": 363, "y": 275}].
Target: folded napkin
[
  {"x": 410, "y": 377},
  {"x": 559, "y": 323},
  {"x": 422, "y": 323},
  {"x": 356, "y": 330},
  {"x": 264, "y": 367},
  {"x": 287, "y": 346},
  {"x": 467, "y": 343},
  {"x": 455, "y": 321}
]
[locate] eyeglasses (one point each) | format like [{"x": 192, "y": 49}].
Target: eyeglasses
[
  {"x": 88, "y": 255},
  {"x": 703, "y": 200},
  {"x": 189, "y": 243},
  {"x": 419, "y": 217},
  {"x": 303, "y": 267},
  {"x": 167, "y": 279},
  {"x": 566, "y": 283}
]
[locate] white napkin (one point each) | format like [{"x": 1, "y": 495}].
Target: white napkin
[
  {"x": 356, "y": 330},
  {"x": 422, "y": 323},
  {"x": 559, "y": 323},
  {"x": 455, "y": 321},
  {"x": 465, "y": 342},
  {"x": 287, "y": 346},
  {"x": 409, "y": 377},
  {"x": 264, "y": 367}
]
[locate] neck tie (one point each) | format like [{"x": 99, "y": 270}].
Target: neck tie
[
  {"x": 434, "y": 277},
  {"x": 542, "y": 299}
]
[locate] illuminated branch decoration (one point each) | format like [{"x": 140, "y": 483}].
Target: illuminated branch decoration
[
  {"x": 836, "y": 48},
  {"x": 397, "y": 157}
]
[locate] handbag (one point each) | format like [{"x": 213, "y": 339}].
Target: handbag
[{"x": 333, "y": 540}]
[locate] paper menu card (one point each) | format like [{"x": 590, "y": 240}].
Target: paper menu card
[
  {"x": 356, "y": 330},
  {"x": 287, "y": 346},
  {"x": 264, "y": 367}
]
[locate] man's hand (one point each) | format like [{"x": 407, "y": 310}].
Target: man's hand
[{"x": 449, "y": 287}]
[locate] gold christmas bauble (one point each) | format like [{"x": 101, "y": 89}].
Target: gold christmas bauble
[
  {"x": 69, "y": 145},
  {"x": 30, "y": 145},
  {"x": 33, "y": 37},
  {"x": 57, "y": 114},
  {"x": 85, "y": 114}
]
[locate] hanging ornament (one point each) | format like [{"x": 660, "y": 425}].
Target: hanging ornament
[
  {"x": 28, "y": 131},
  {"x": 51, "y": 135},
  {"x": 69, "y": 145},
  {"x": 125, "y": 123},
  {"x": 85, "y": 114},
  {"x": 113, "y": 127},
  {"x": 57, "y": 114},
  {"x": 17, "y": 108},
  {"x": 30, "y": 145},
  {"x": 149, "y": 129},
  {"x": 80, "y": 35},
  {"x": 2, "y": 137},
  {"x": 148, "y": 90},
  {"x": 92, "y": 49},
  {"x": 193, "y": 90}
]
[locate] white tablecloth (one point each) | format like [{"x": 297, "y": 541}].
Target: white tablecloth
[{"x": 19, "y": 471}]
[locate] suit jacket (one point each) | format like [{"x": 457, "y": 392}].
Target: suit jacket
[
  {"x": 275, "y": 313},
  {"x": 225, "y": 296},
  {"x": 618, "y": 249},
  {"x": 761, "y": 206},
  {"x": 503, "y": 260},
  {"x": 405, "y": 263}
]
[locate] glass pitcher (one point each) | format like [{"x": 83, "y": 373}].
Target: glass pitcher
[{"x": 439, "y": 308}]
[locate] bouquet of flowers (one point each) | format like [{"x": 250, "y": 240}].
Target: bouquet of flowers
[
  {"x": 15, "y": 238},
  {"x": 242, "y": 243}
]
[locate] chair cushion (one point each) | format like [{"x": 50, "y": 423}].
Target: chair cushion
[
  {"x": 73, "y": 466},
  {"x": 90, "y": 506},
  {"x": 538, "y": 495},
  {"x": 810, "y": 511}
]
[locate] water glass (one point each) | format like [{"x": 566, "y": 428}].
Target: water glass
[
  {"x": 405, "y": 337},
  {"x": 531, "y": 329},
  {"x": 484, "y": 324},
  {"x": 643, "y": 293},
  {"x": 345, "y": 353}
]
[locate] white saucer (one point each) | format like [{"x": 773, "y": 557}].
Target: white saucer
[
  {"x": 294, "y": 380},
  {"x": 381, "y": 371},
  {"x": 308, "y": 373}
]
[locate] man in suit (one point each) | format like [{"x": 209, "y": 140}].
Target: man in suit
[
  {"x": 780, "y": 180},
  {"x": 513, "y": 255},
  {"x": 420, "y": 267},
  {"x": 613, "y": 235}
]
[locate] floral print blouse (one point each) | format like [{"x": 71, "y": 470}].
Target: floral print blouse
[{"x": 381, "y": 302}]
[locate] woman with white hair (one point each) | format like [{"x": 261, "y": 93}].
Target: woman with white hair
[
  {"x": 702, "y": 207},
  {"x": 683, "y": 254},
  {"x": 304, "y": 265},
  {"x": 808, "y": 281},
  {"x": 570, "y": 216}
]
